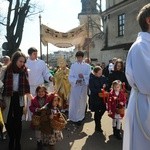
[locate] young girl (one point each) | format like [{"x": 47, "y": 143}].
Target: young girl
[
  {"x": 36, "y": 104},
  {"x": 116, "y": 105},
  {"x": 43, "y": 102},
  {"x": 55, "y": 135}
]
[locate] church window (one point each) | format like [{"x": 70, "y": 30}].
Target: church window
[{"x": 121, "y": 24}]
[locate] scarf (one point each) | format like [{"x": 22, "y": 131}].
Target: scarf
[{"x": 23, "y": 85}]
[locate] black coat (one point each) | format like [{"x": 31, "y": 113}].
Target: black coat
[
  {"x": 95, "y": 85},
  {"x": 118, "y": 75}
]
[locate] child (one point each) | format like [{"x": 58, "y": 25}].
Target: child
[
  {"x": 46, "y": 106},
  {"x": 36, "y": 104},
  {"x": 55, "y": 135},
  {"x": 96, "y": 104},
  {"x": 116, "y": 105}
]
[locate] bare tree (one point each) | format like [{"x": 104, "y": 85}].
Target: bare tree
[{"x": 18, "y": 11}]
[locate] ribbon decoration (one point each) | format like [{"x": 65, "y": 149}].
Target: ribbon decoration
[{"x": 104, "y": 95}]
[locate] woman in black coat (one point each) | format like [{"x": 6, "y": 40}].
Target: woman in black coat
[
  {"x": 96, "y": 104},
  {"x": 118, "y": 74}
]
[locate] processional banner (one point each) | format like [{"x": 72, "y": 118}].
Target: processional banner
[{"x": 74, "y": 37}]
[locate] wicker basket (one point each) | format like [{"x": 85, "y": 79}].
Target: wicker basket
[
  {"x": 36, "y": 119},
  {"x": 46, "y": 127},
  {"x": 120, "y": 111},
  {"x": 44, "y": 115},
  {"x": 59, "y": 122}
]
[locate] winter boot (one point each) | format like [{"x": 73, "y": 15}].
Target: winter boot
[
  {"x": 39, "y": 145},
  {"x": 114, "y": 131},
  {"x": 98, "y": 128},
  {"x": 118, "y": 134}
]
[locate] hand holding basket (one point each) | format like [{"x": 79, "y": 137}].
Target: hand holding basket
[{"x": 59, "y": 121}]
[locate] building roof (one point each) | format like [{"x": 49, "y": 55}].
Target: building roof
[{"x": 116, "y": 7}]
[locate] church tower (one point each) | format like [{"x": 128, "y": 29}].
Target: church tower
[
  {"x": 90, "y": 14},
  {"x": 88, "y": 9}
]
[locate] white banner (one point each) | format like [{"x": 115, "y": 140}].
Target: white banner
[{"x": 71, "y": 38}]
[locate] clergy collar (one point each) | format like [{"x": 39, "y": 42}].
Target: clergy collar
[
  {"x": 32, "y": 59},
  {"x": 80, "y": 62}
]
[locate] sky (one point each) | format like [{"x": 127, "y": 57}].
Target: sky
[{"x": 61, "y": 15}]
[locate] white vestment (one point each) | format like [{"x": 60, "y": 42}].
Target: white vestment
[
  {"x": 38, "y": 72},
  {"x": 137, "y": 120},
  {"x": 78, "y": 95}
]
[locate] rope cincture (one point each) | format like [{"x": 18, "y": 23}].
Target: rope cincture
[{"x": 147, "y": 136}]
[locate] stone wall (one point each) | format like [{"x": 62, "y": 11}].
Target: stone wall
[{"x": 130, "y": 8}]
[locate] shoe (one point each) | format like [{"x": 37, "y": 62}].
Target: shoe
[
  {"x": 98, "y": 129},
  {"x": 114, "y": 131},
  {"x": 79, "y": 123},
  {"x": 118, "y": 134},
  {"x": 39, "y": 145},
  {"x": 51, "y": 147}
]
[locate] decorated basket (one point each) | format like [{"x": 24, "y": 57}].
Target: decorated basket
[
  {"x": 46, "y": 127},
  {"x": 59, "y": 122},
  {"x": 44, "y": 115}
]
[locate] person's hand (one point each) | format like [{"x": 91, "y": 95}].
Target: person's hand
[
  {"x": 80, "y": 75},
  {"x": 38, "y": 109},
  {"x": 109, "y": 112},
  {"x": 121, "y": 103},
  {"x": 115, "y": 97},
  {"x": 30, "y": 97},
  {"x": 78, "y": 81}
]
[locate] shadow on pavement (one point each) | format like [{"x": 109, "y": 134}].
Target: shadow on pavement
[{"x": 97, "y": 141}]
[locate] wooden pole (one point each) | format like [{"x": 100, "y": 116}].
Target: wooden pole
[
  {"x": 88, "y": 48},
  {"x": 47, "y": 54},
  {"x": 40, "y": 37}
]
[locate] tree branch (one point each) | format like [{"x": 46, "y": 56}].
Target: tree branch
[{"x": 15, "y": 15}]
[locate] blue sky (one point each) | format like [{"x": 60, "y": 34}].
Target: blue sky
[{"x": 61, "y": 15}]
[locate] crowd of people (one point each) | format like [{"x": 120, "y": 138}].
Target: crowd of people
[{"x": 24, "y": 94}]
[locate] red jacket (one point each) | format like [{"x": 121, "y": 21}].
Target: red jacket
[
  {"x": 35, "y": 103},
  {"x": 114, "y": 102}
]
